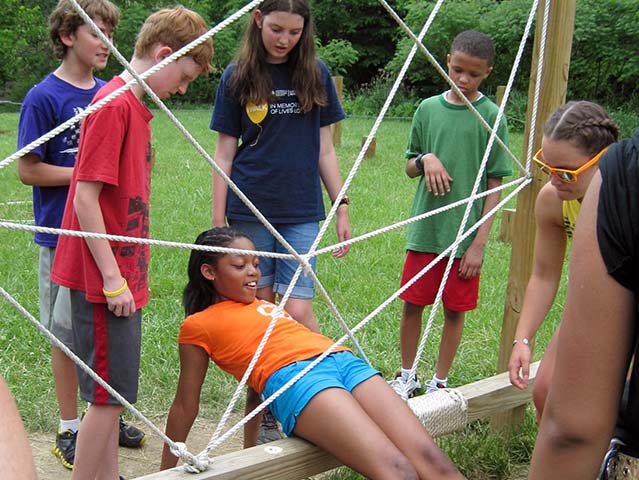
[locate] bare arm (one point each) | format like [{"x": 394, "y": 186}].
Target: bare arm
[
  {"x": 550, "y": 248},
  {"x": 594, "y": 342},
  {"x": 16, "y": 458},
  {"x": 329, "y": 172},
  {"x": 33, "y": 171},
  {"x": 87, "y": 209},
  {"x": 436, "y": 178},
  {"x": 224, "y": 155},
  {"x": 471, "y": 262},
  {"x": 194, "y": 362}
]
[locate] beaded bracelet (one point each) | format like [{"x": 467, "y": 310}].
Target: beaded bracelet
[
  {"x": 117, "y": 292},
  {"x": 525, "y": 341}
]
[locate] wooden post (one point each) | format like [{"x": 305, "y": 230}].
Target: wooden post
[
  {"x": 336, "y": 128},
  {"x": 553, "y": 93},
  {"x": 499, "y": 94},
  {"x": 372, "y": 147},
  {"x": 507, "y": 225}
]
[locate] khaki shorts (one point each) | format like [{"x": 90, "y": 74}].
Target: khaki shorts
[{"x": 55, "y": 305}]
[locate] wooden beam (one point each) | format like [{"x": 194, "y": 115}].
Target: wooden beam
[{"x": 295, "y": 459}]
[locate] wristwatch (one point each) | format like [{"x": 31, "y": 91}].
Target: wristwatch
[
  {"x": 344, "y": 201},
  {"x": 418, "y": 162}
]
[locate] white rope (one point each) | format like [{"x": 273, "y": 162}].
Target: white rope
[
  {"x": 538, "y": 78},
  {"x": 492, "y": 138},
  {"x": 445, "y": 76},
  {"x": 199, "y": 462},
  {"x": 44, "y": 331},
  {"x": 441, "y": 412}
]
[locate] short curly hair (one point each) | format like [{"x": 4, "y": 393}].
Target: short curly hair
[
  {"x": 66, "y": 20},
  {"x": 475, "y": 44},
  {"x": 175, "y": 27}
]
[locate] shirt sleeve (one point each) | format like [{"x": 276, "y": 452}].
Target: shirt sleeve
[
  {"x": 618, "y": 212},
  {"x": 332, "y": 112},
  {"x": 227, "y": 111},
  {"x": 35, "y": 120}
]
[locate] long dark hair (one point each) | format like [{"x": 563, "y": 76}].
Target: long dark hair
[
  {"x": 251, "y": 81},
  {"x": 199, "y": 292},
  {"x": 585, "y": 124}
]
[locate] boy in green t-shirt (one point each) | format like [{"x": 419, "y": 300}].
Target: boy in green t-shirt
[{"x": 445, "y": 149}]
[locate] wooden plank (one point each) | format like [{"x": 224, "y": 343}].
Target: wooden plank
[{"x": 295, "y": 459}]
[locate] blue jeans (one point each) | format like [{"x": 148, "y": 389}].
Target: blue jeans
[{"x": 277, "y": 272}]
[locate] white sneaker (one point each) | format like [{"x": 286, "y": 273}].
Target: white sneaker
[
  {"x": 433, "y": 386},
  {"x": 405, "y": 388},
  {"x": 269, "y": 429}
]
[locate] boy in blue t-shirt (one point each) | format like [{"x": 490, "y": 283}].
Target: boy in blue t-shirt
[
  {"x": 445, "y": 149},
  {"x": 61, "y": 95}
]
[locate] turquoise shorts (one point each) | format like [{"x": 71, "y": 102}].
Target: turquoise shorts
[{"x": 338, "y": 370}]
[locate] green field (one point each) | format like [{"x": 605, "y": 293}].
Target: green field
[{"x": 381, "y": 194}]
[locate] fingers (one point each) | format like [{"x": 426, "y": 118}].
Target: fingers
[{"x": 123, "y": 305}]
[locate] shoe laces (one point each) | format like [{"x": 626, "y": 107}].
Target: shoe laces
[{"x": 268, "y": 421}]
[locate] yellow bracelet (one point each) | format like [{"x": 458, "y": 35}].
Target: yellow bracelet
[{"x": 117, "y": 292}]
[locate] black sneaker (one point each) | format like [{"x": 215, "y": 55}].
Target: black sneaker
[
  {"x": 64, "y": 448},
  {"x": 130, "y": 436},
  {"x": 269, "y": 429}
]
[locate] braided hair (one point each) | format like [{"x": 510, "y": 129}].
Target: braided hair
[
  {"x": 585, "y": 124},
  {"x": 199, "y": 292}
]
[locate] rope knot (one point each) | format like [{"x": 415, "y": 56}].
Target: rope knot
[{"x": 192, "y": 463}]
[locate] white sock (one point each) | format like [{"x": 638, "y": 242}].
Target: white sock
[
  {"x": 73, "y": 425},
  {"x": 443, "y": 381},
  {"x": 405, "y": 373}
]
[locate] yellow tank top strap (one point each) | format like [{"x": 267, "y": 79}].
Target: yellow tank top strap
[{"x": 570, "y": 211}]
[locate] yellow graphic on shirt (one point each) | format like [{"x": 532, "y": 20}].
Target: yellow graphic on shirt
[{"x": 256, "y": 114}]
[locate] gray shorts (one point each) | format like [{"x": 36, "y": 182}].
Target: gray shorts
[
  {"x": 55, "y": 306},
  {"x": 108, "y": 344}
]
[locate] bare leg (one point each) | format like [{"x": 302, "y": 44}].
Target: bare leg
[
  {"x": 267, "y": 294},
  {"x": 404, "y": 429},
  {"x": 301, "y": 309},
  {"x": 65, "y": 378},
  {"x": 544, "y": 375},
  {"x": 410, "y": 329},
  {"x": 97, "y": 448},
  {"x": 251, "y": 428},
  {"x": 451, "y": 337},
  {"x": 334, "y": 421}
]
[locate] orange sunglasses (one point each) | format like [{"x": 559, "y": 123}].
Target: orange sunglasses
[{"x": 566, "y": 176}]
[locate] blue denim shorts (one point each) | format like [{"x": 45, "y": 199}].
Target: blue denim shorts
[
  {"x": 276, "y": 272},
  {"x": 339, "y": 370}
]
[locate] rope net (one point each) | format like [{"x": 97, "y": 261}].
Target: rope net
[{"x": 442, "y": 412}]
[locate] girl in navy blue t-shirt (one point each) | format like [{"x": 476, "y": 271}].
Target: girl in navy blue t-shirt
[{"x": 273, "y": 112}]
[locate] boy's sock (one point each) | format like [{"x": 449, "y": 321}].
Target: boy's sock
[
  {"x": 72, "y": 425},
  {"x": 443, "y": 381},
  {"x": 405, "y": 372}
]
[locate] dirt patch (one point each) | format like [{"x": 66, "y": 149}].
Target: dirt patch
[{"x": 133, "y": 462}]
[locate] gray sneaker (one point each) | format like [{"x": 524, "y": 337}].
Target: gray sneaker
[
  {"x": 406, "y": 388},
  {"x": 269, "y": 429}
]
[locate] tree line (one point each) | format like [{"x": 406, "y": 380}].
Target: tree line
[{"x": 359, "y": 40}]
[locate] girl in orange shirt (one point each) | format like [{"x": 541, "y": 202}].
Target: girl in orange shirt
[{"x": 342, "y": 405}]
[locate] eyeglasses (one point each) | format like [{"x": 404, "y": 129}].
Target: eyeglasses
[{"x": 566, "y": 176}]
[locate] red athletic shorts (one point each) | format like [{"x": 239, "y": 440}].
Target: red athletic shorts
[{"x": 459, "y": 295}]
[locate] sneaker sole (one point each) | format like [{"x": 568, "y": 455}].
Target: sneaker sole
[
  {"x": 57, "y": 453},
  {"x": 139, "y": 445}
]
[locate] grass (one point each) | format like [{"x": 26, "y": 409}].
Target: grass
[{"x": 381, "y": 194}]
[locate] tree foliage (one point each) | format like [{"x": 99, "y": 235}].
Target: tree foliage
[{"x": 358, "y": 39}]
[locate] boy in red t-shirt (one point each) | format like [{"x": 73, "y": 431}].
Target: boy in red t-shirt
[{"x": 110, "y": 194}]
